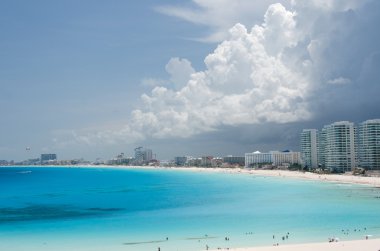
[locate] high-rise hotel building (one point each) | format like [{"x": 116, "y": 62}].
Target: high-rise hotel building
[
  {"x": 333, "y": 147},
  {"x": 369, "y": 144},
  {"x": 309, "y": 149},
  {"x": 340, "y": 150},
  {"x": 321, "y": 149},
  {"x": 341, "y": 146}
]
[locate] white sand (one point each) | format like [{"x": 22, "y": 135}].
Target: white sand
[
  {"x": 338, "y": 178},
  {"x": 358, "y": 245},
  {"x": 371, "y": 181}
]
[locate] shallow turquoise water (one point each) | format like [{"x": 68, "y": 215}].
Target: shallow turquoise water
[{"x": 136, "y": 209}]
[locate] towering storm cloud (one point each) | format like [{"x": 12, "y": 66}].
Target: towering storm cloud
[
  {"x": 247, "y": 80},
  {"x": 303, "y": 60}
]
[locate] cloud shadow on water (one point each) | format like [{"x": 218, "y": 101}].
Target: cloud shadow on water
[{"x": 50, "y": 212}]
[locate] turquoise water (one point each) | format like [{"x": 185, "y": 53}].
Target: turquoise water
[{"x": 137, "y": 209}]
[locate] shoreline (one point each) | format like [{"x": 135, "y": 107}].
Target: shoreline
[{"x": 336, "y": 178}]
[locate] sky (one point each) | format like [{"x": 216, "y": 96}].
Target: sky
[{"x": 93, "y": 79}]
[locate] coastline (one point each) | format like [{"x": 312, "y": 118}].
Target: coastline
[{"x": 336, "y": 178}]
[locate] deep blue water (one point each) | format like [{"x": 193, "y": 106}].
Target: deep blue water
[{"x": 136, "y": 209}]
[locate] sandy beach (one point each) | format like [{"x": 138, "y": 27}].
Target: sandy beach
[
  {"x": 362, "y": 245},
  {"x": 338, "y": 178}
]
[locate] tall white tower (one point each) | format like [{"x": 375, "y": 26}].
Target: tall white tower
[
  {"x": 369, "y": 144},
  {"x": 309, "y": 152},
  {"x": 340, "y": 147}
]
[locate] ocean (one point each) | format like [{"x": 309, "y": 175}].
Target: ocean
[{"x": 44, "y": 208}]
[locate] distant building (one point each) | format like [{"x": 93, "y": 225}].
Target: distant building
[
  {"x": 309, "y": 150},
  {"x": 48, "y": 158},
  {"x": 148, "y": 155},
  {"x": 321, "y": 148},
  {"x": 139, "y": 154},
  {"x": 4, "y": 163},
  {"x": 180, "y": 161},
  {"x": 143, "y": 156},
  {"x": 234, "y": 160},
  {"x": 285, "y": 158},
  {"x": 194, "y": 161},
  {"x": 256, "y": 158},
  {"x": 369, "y": 144},
  {"x": 216, "y": 162},
  {"x": 120, "y": 159},
  {"x": 206, "y": 161},
  {"x": 276, "y": 158}
]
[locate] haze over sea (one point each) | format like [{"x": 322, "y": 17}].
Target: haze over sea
[{"x": 137, "y": 209}]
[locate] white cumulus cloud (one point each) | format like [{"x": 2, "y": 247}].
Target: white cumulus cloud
[
  {"x": 246, "y": 81},
  {"x": 275, "y": 71},
  {"x": 180, "y": 71}
]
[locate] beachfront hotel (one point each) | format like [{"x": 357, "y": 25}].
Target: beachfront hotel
[
  {"x": 48, "y": 158},
  {"x": 309, "y": 148},
  {"x": 321, "y": 148},
  {"x": 143, "y": 155},
  {"x": 369, "y": 144},
  {"x": 334, "y": 147},
  {"x": 255, "y": 158},
  {"x": 340, "y": 152},
  {"x": 341, "y": 146},
  {"x": 275, "y": 158}
]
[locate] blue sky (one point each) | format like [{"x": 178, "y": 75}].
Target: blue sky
[
  {"x": 95, "y": 78},
  {"x": 71, "y": 64}
]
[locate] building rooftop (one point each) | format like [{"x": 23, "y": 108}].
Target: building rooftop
[{"x": 371, "y": 121}]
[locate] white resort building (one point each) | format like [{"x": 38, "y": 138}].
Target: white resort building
[
  {"x": 340, "y": 152},
  {"x": 275, "y": 158},
  {"x": 309, "y": 148},
  {"x": 369, "y": 144},
  {"x": 334, "y": 147},
  {"x": 341, "y": 146}
]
